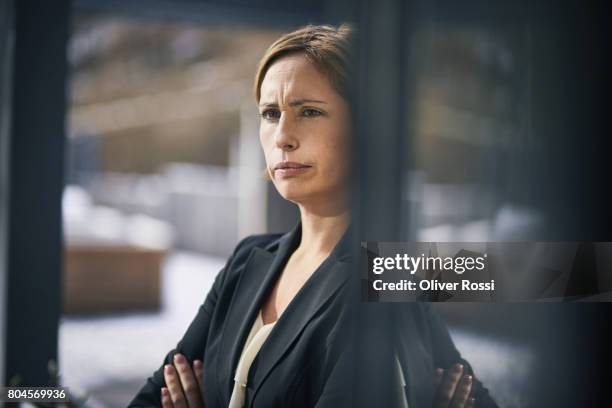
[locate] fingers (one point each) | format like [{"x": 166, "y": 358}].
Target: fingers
[
  {"x": 462, "y": 392},
  {"x": 183, "y": 384},
  {"x": 198, "y": 369},
  {"x": 174, "y": 387},
  {"x": 165, "y": 398},
  {"x": 448, "y": 384},
  {"x": 190, "y": 386}
]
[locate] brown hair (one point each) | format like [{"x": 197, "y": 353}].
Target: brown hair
[{"x": 326, "y": 46}]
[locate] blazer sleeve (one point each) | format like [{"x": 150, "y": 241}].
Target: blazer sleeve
[
  {"x": 445, "y": 354},
  {"x": 192, "y": 343}
]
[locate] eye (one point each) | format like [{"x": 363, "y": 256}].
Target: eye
[
  {"x": 270, "y": 114},
  {"x": 310, "y": 112}
]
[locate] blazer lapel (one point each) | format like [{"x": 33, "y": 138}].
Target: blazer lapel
[
  {"x": 416, "y": 360},
  {"x": 316, "y": 291},
  {"x": 257, "y": 279},
  {"x": 261, "y": 272}
]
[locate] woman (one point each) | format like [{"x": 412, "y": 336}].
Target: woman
[{"x": 271, "y": 331}]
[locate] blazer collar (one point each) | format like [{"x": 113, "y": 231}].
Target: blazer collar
[
  {"x": 261, "y": 272},
  {"x": 291, "y": 240}
]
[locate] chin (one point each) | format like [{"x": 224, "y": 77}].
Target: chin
[
  {"x": 294, "y": 190},
  {"x": 300, "y": 194},
  {"x": 294, "y": 194}
]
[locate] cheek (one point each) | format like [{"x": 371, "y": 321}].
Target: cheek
[
  {"x": 337, "y": 148},
  {"x": 334, "y": 159},
  {"x": 341, "y": 162}
]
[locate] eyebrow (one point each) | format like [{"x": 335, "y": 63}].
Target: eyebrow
[{"x": 294, "y": 103}]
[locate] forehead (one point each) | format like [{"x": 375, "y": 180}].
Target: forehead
[{"x": 293, "y": 75}]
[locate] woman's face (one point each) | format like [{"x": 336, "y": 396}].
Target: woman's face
[{"x": 304, "y": 132}]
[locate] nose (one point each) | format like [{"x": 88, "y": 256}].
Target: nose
[{"x": 285, "y": 135}]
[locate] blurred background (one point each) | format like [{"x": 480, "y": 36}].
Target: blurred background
[
  {"x": 131, "y": 167},
  {"x": 163, "y": 178}
]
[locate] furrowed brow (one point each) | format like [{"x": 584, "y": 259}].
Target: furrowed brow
[
  {"x": 294, "y": 103},
  {"x": 299, "y": 102}
]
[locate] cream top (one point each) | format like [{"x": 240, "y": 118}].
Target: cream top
[{"x": 258, "y": 335}]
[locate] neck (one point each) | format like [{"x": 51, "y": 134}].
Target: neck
[{"x": 322, "y": 228}]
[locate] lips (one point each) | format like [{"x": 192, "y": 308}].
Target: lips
[
  {"x": 289, "y": 169},
  {"x": 289, "y": 165}
]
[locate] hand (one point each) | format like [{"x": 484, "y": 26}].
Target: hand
[
  {"x": 183, "y": 384},
  {"x": 453, "y": 388}
]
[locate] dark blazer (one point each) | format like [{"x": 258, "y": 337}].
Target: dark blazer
[{"x": 299, "y": 364}]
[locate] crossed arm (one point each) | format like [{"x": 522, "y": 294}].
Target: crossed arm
[{"x": 184, "y": 387}]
